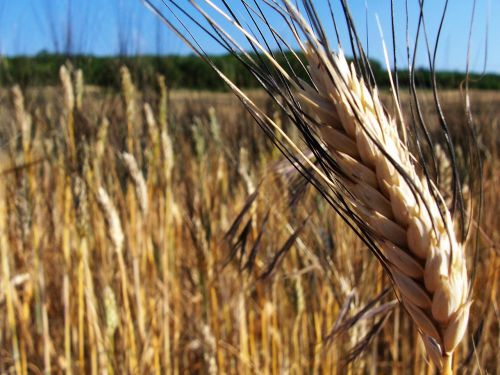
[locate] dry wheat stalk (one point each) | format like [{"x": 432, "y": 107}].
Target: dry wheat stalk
[
  {"x": 117, "y": 237},
  {"x": 361, "y": 164}
]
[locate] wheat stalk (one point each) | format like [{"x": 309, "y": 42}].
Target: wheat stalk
[
  {"x": 361, "y": 164},
  {"x": 117, "y": 237}
]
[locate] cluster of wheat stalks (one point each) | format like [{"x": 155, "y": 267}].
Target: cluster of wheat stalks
[{"x": 114, "y": 257}]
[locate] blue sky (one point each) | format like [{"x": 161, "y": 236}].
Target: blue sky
[{"x": 106, "y": 27}]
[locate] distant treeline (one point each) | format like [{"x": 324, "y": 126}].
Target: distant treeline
[{"x": 190, "y": 72}]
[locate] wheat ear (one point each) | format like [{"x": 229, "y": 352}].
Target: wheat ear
[
  {"x": 361, "y": 165},
  {"x": 416, "y": 237},
  {"x": 141, "y": 190}
]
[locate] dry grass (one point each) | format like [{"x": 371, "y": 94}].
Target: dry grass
[{"x": 91, "y": 285}]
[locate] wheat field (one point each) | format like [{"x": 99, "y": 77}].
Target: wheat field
[{"x": 158, "y": 231}]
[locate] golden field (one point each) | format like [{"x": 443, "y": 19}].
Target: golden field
[{"x": 200, "y": 250}]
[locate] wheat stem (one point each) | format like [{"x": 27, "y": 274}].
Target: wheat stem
[{"x": 447, "y": 365}]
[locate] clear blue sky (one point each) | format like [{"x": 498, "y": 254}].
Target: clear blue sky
[{"x": 106, "y": 27}]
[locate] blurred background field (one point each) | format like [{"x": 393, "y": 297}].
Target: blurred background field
[{"x": 159, "y": 231}]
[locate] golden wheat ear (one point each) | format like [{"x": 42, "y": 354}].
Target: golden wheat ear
[
  {"x": 370, "y": 165},
  {"x": 412, "y": 231}
]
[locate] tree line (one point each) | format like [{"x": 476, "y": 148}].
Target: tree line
[{"x": 190, "y": 72}]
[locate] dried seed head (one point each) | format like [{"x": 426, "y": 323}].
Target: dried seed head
[
  {"x": 128, "y": 91},
  {"x": 81, "y": 204},
  {"x": 168, "y": 154},
  {"x": 79, "y": 88},
  {"x": 111, "y": 311},
  {"x": 162, "y": 111},
  {"x": 244, "y": 170},
  {"x": 69, "y": 96},
  {"x": 23, "y": 119},
  {"x": 141, "y": 189},
  {"x": 151, "y": 122},
  {"x": 102, "y": 134},
  {"x": 115, "y": 231},
  {"x": 426, "y": 262}
]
